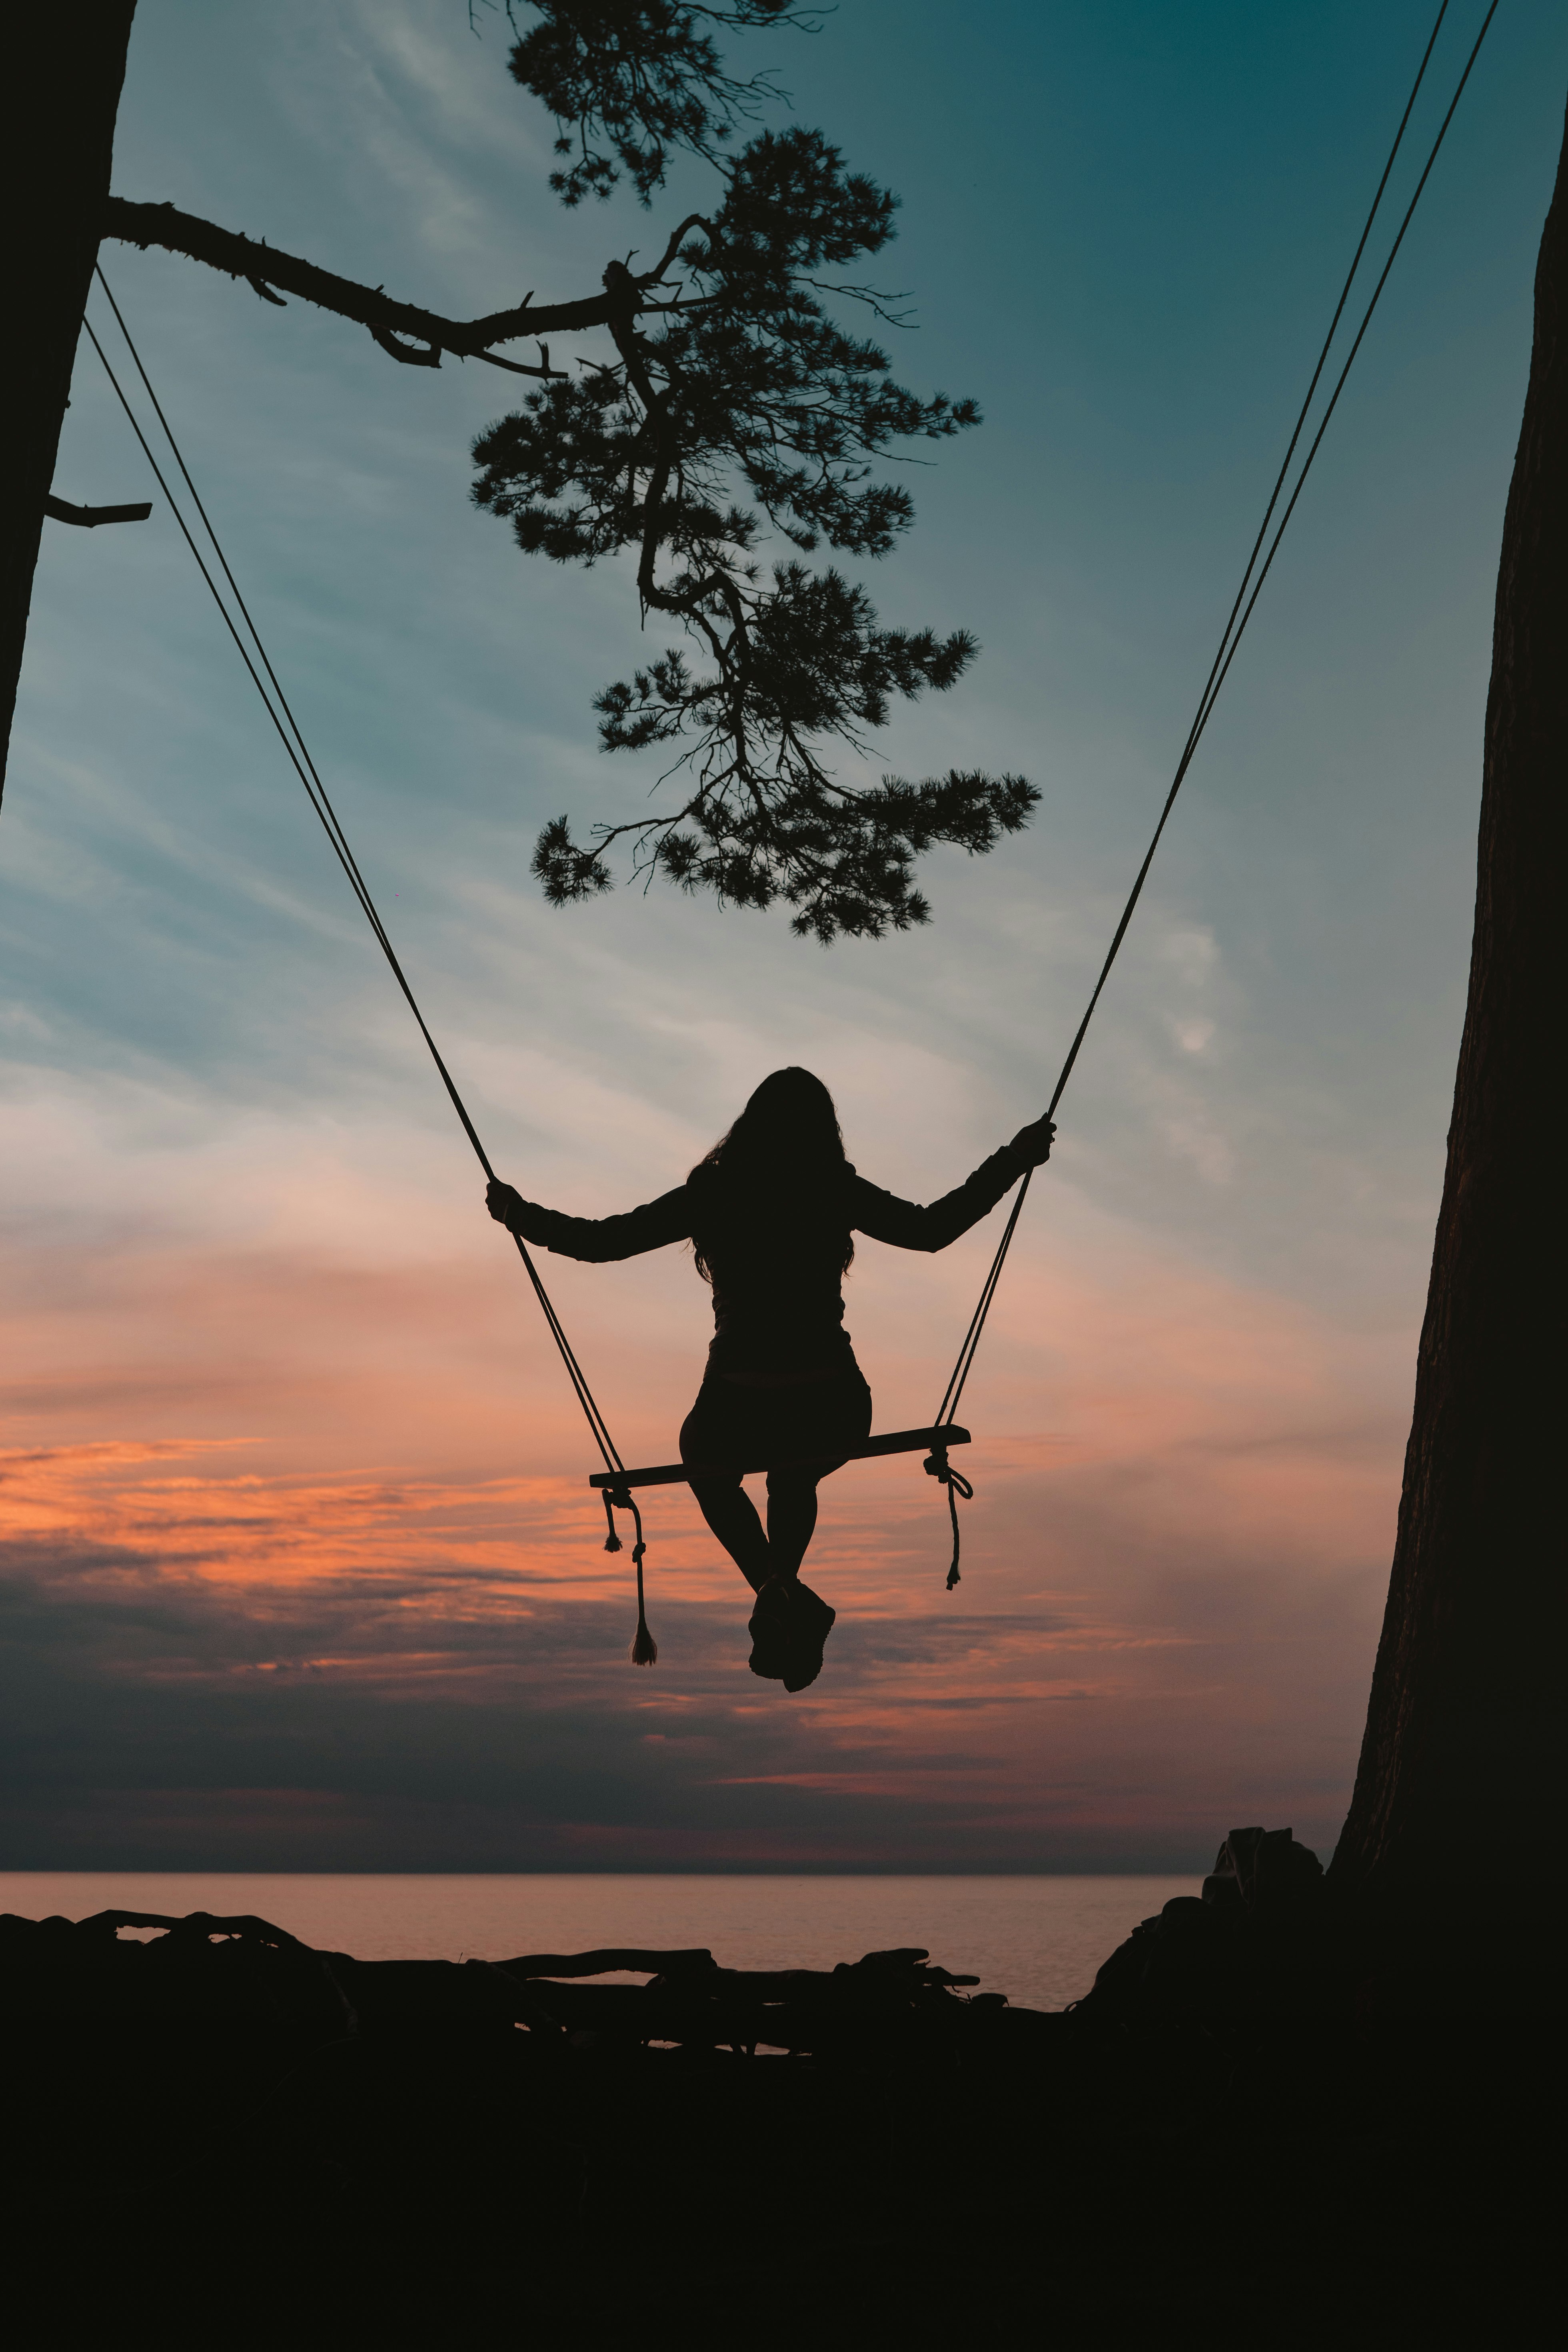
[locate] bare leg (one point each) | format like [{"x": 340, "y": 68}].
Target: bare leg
[
  {"x": 792, "y": 1519},
  {"x": 731, "y": 1513}
]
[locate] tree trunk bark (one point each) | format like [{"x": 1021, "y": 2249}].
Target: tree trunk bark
[
  {"x": 63, "y": 70},
  {"x": 1458, "y": 1765}
]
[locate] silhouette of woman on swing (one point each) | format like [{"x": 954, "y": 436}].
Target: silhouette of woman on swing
[{"x": 772, "y": 1212}]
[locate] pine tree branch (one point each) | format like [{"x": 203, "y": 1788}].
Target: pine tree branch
[{"x": 414, "y": 337}]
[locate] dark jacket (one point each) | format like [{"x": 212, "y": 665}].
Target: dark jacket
[{"x": 778, "y": 1304}]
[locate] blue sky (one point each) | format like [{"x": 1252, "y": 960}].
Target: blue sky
[{"x": 240, "y": 1219}]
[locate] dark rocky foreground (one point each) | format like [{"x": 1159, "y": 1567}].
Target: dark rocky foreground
[{"x": 1262, "y": 2125}]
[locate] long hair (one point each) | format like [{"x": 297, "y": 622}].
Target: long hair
[{"x": 781, "y": 1166}]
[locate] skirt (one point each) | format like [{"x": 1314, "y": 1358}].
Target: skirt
[{"x": 814, "y": 1425}]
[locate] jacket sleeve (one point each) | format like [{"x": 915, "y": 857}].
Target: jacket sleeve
[
  {"x": 597, "y": 1240},
  {"x": 908, "y": 1227}
]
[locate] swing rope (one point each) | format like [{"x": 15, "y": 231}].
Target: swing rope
[
  {"x": 280, "y": 712},
  {"x": 1219, "y": 670},
  {"x": 616, "y": 1492}
]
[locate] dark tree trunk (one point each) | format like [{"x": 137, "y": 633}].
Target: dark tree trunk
[
  {"x": 61, "y": 67},
  {"x": 1458, "y": 1768}
]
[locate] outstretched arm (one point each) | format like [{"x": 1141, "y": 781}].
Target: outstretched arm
[
  {"x": 908, "y": 1227},
  {"x": 597, "y": 1240}
]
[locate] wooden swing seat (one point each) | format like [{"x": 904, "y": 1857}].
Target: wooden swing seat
[{"x": 896, "y": 1441}]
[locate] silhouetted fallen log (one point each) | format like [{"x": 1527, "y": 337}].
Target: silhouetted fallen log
[
  {"x": 195, "y": 1926},
  {"x": 633, "y": 1960},
  {"x": 244, "y": 1972}
]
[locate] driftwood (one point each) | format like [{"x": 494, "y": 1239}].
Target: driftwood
[
  {"x": 631, "y": 1959},
  {"x": 245, "y": 1972},
  {"x": 196, "y": 1926},
  {"x": 885, "y": 1996}
]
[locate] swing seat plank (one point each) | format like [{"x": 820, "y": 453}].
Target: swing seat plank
[{"x": 896, "y": 1441}]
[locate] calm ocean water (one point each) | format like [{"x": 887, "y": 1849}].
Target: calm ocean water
[{"x": 1039, "y": 1941}]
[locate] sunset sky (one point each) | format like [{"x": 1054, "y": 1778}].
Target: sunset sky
[{"x": 301, "y": 1570}]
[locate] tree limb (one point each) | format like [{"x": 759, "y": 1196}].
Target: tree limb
[
  {"x": 88, "y": 518},
  {"x": 428, "y": 335}
]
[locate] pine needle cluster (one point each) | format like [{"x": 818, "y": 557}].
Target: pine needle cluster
[
  {"x": 637, "y": 79},
  {"x": 736, "y": 406}
]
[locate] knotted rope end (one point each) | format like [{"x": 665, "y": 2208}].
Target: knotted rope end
[
  {"x": 644, "y": 1649},
  {"x": 937, "y": 1466}
]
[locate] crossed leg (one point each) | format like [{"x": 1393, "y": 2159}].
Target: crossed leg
[
  {"x": 732, "y": 1516},
  {"x": 791, "y": 1515}
]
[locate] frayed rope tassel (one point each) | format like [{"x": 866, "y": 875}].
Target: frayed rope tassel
[
  {"x": 644, "y": 1649},
  {"x": 937, "y": 1465}
]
